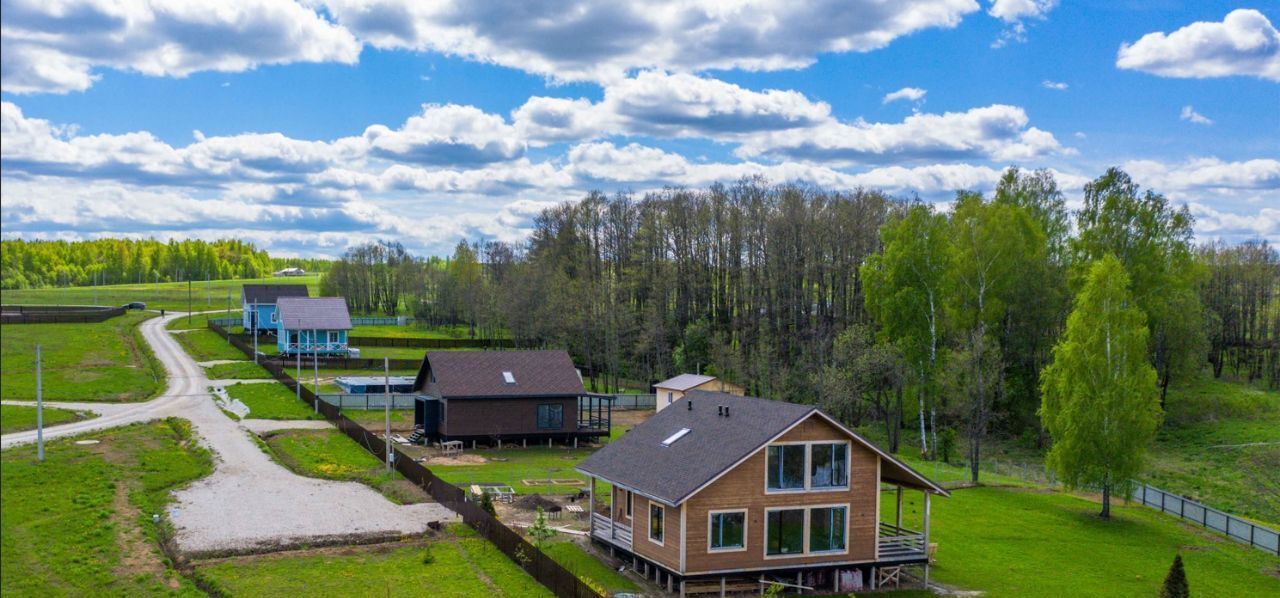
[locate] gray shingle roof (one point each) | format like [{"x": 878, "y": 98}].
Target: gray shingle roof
[
  {"x": 684, "y": 382},
  {"x": 479, "y": 374},
  {"x": 314, "y": 313},
  {"x": 270, "y": 293},
  {"x": 714, "y": 443}
]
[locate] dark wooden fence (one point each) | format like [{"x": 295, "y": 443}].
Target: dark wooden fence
[
  {"x": 537, "y": 564},
  {"x": 56, "y": 314}
]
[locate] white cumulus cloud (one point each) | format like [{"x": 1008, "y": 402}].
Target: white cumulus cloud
[
  {"x": 910, "y": 94},
  {"x": 1245, "y": 43},
  {"x": 1189, "y": 114}
]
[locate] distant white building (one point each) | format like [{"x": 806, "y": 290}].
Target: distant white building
[{"x": 291, "y": 272}]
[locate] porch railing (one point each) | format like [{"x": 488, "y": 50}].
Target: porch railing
[
  {"x": 306, "y": 347},
  {"x": 610, "y": 531},
  {"x": 900, "y": 543}
]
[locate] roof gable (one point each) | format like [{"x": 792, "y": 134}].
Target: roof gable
[
  {"x": 271, "y": 293},
  {"x": 313, "y": 313},
  {"x": 485, "y": 374}
]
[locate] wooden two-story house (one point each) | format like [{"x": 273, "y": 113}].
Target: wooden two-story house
[{"x": 725, "y": 490}]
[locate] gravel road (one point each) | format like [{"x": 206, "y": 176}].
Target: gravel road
[{"x": 249, "y": 502}]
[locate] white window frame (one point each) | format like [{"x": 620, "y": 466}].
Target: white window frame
[
  {"x": 649, "y": 523},
  {"x": 808, "y": 467},
  {"x": 275, "y": 319},
  {"x": 626, "y": 513},
  {"x": 804, "y": 547},
  {"x": 334, "y": 337},
  {"x": 746, "y": 521}
]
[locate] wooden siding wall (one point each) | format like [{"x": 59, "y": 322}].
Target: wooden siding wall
[
  {"x": 506, "y": 417},
  {"x": 668, "y": 554},
  {"x": 744, "y": 487}
]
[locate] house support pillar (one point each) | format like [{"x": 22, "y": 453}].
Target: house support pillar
[
  {"x": 926, "y": 540},
  {"x": 669, "y": 583},
  {"x": 899, "y": 519}
]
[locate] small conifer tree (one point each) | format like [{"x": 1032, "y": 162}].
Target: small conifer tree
[{"x": 1175, "y": 583}]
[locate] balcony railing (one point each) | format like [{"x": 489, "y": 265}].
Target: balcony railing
[{"x": 900, "y": 543}]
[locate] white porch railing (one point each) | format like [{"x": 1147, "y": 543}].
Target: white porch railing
[
  {"x": 613, "y": 532},
  {"x": 900, "y": 543},
  {"x": 307, "y": 347}
]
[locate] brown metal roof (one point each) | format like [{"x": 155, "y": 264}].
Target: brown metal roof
[
  {"x": 480, "y": 374},
  {"x": 269, "y": 293},
  {"x": 314, "y": 313}
]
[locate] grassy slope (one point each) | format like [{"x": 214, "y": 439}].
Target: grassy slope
[
  {"x": 240, "y": 370},
  {"x": 104, "y": 361},
  {"x": 200, "y": 320},
  {"x": 462, "y": 566},
  {"x": 271, "y": 401},
  {"x": 1026, "y": 542},
  {"x": 1196, "y": 453},
  {"x": 80, "y": 523},
  {"x": 374, "y": 419},
  {"x": 332, "y": 455},
  {"x": 589, "y": 568},
  {"x": 16, "y": 418},
  {"x": 205, "y": 345},
  {"x": 520, "y": 464},
  {"x": 167, "y": 295}
]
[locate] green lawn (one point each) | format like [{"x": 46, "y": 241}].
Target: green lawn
[
  {"x": 332, "y": 455},
  {"x": 414, "y": 331},
  {"x": 462, "y": 565},
  {"x": 240, "y": 370},
  {"x": 392, "y": 352},
  {"x": 79, "y": 524},
  {"x": 205, "y": 345},
  {"x": 16, "y": 418},
  {"x": 166, "y": 295},
  {"x": 588, "y": 567},
  {"x": 202, "y": 320},
  {"x": 1031, "y": 542},
  {"x": 374, "y": 418},
  {"x": 271, "y": 400},
  {"x": 103, "y": 361},
  {"x": 510, "y": 466}
]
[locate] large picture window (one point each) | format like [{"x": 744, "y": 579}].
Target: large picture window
[
  {"x": 826, "y": 529},
  {"x": 728, "y": 530},
  {"x": 786, "y": 467},
  {"x": 784, "y": 532},
  {"x": 657, "y": 526},
  {"x": 550, "y": 416},
  {"x": 829, "y": 465}
]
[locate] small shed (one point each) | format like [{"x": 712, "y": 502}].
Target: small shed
[
  {"x": 259, "y": 304},
  {"x": 374, "y": 384},
  {"x": 673, "y": 389},
  {"x": 312, "y": 326}
]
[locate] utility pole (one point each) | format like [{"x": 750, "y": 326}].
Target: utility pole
[
  {"x": 253, "y": 321},
  {"x": 297, "y": 352},
  {"x": 386, "y": 399},
  {"x": 315, "y": 365},
  {"x": 39, "y": 410},
  {"x": 188, "y": 302},
  {"x": 208, "y": 289}
]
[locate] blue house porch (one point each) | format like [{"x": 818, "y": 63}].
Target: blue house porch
[{"x": 312, "y": 325}]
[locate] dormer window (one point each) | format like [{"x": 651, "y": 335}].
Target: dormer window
[{"x": 508, "y": 377}]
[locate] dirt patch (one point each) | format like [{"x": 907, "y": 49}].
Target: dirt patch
[
  {"x": 464, "y": 459},
  {"x": 137, "y": 554},
  {"x": 531, "y": 502}
]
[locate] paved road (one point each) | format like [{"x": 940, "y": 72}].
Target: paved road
[{"x": 249, "y": 502}]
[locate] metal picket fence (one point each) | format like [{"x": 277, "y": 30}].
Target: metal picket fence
[
  {"x": 365, "y": 402},
  {"x": 634, "y": 402},
  {"x": 554, "y": 576},
  {"x": 1245, "y": 532}
]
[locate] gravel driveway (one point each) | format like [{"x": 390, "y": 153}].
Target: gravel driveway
[{"x": 249, "y": 502}]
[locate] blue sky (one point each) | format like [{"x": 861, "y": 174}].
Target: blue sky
[{"x": 310, "y": 127}]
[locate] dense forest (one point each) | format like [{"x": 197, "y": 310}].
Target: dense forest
[
  {"x": 879, "y": 309},
  {"x": 35, "y": 264}
]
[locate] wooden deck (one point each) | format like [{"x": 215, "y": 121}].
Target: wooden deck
[
  {"x": 613, "y": 532},
  {"x": 901, "y": 544}
]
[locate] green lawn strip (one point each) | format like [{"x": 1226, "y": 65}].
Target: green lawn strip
[
  {"x": 398, "y": 571},
  {"x": 240, "y": 370},
  {"x": 63, "y": 532},
  {"x": 392, "y": 352},
  {"x": 374, "y": 419},
  {"x": 271, "y": 400},
  {"x": 1032, "y": 542},
  {"x": 205, "y": 345},
  {"x": 202, "y": 320},
  {"x": 104, "y": 361},
  {"x": 16, "y": 418},
  {"x": 171, "y": 296},
  {"x": 332, "y": 455},
  {"x": 588, "y": 567},
  {"x": 516, "y": 465}
]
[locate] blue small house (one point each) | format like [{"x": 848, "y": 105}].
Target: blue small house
[
  {"x": 259, "y": 304},
  {"x": 312, "y": 325}
]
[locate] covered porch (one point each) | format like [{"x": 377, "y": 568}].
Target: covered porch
[
  {"x": 595, "y": 414},
  {"x": 606, "y": 526}
]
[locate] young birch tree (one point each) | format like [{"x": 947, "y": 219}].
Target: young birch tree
[{"x": 1099, "y": 396}]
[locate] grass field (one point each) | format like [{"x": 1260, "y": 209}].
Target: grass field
[
  {"x": 332, "y": 455},
  {"x": 414, "y": 331},
  {"x": 103, "y": 361},
  {"x": 461, "y": 565},
  {"x": 205, "y": 345},
  {"x": 16, "y": 418},
  {"x": 1030, "y": 542},
  {"x": 510, "y": 466},
  {"x": 374, "y": 418},
  {"x": 79, "y": 524},
  {"x": 270, "y": 400},
  {"x": 392, "y": 352},
  {"x": 240, "y": 370},
  {"x": 589, "y": 568},
  {"x": 171, "y": 296},
  {"x": 200, "y": 320}
]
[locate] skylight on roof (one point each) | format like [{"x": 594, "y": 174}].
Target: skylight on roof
[
  {"x": 674, "y": 437},
  {"x": 509, "y": 377}
]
